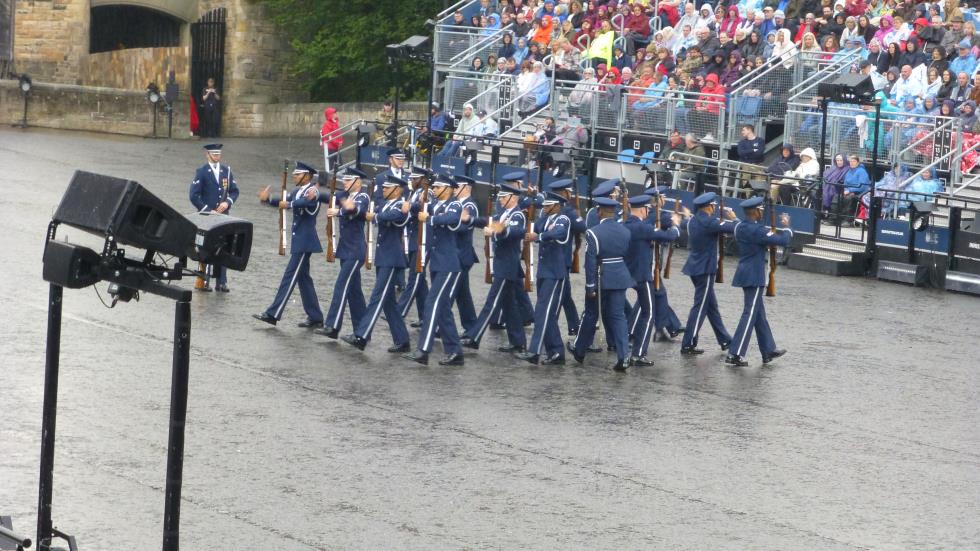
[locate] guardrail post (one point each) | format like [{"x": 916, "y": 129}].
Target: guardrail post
[
  {"x": 955, "y": 169},
  {"x": 955, "y": 216}
]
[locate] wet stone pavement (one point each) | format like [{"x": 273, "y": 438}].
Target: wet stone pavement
[{"x": 865, "y": 436}]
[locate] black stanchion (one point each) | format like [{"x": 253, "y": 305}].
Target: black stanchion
[
  {"x": 52, "y": 360},
  {"x": 178, "y": 417}
]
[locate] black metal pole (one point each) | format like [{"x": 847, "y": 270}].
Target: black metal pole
[
  {"x": 398, "y": 97},
  {"x": 170, "y": 121},
  {"x": 52, "y": 360},
  {"x": 178, "y": 416},
  {"x": 955, "y": 217},
  {"x": 23, "y": 121},
  {"x": 154, "y": 120},
  {"x": 428, "y": 107}
]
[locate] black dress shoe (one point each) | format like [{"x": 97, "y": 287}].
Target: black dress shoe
[
  {"x": 555, "y": 359},
  {"x": 467, "y": 342},
  {"x": 327, "y": 332},
  {"x": 775, "y": 354},
  {"x": 725, "y": 345},
  {"x": 496, "y": 326},
  {"x": 308, "y": 323},
  {"x": 510, "y": 349},
  {"x": 266, "y": 318},
  {"x": 206, "y": 289},
  {"x": 640, "y": 362},
  {"x": 416, "y": 324},
  {"x": 690, "y": 351},
  {"x": 571, "y": 349},
  {"x": 528, "y": 357},
  {"x": 572, "y": 331},
  {"x": 418, "y": 357},
  {"x": 736, "y": 361},
  {"x": 676, "y": 332},
  {"x": 619, "y": 366},
  {"x": 593, "y": 350},
  {"x": 222, "y": 288},
  {"x": 354, "y": 341},
  {"x": 452, "y": 359},
  {"x": 399, "y": 348},
  {"x": 664, "y": 335}
]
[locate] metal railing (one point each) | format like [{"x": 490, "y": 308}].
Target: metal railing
[{"x": 483, "y": 93}]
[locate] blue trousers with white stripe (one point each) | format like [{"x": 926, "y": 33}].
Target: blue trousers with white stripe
[
  {"x": 590, "y": 320},
  {"x": 438, "y": 314},
  {"x": 753, "y": 317},
  {"x": 663, "y": 315},
  {"x": 546, "y": 335},
  {"x": 705, "y": 306},
  {"x": 416, "y": 290},
  {"x": 346, "y": 291},
  {"x": 297, "y": 273},
  {"x": 464, "y": 300},
  {"x": 645, "y": 312},
  {"x": 611, "y": 303},
  {"x": 568, "y": 305},
  {"x": 383, "y": 300},
  {"x": 502, "y": 297}
]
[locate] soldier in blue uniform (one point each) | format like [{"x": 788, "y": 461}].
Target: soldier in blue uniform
[
  {"x": 606, "y": 279},
  {"x": 507, "y": 229},
  {"x": 417, "y": 287},
  {"x": 443, "y": 217},
  {"x": 396, "y": 168},
  {"x": 391, "y": 217},
  {"x": 753, "y": 239},
  {"x": 701, "y": 266},
  {"x": 529, "y": 196},
  {"x": 214, "y": 189},
  {"x": 467, "y": 254},
  {"x": 553, "y": 230},
  {"x": 563, "y": 189},
  {"x": 351, "y": 249},
  {"x": 304, "y": 200},
  {"x": 643, "y": 238},
  {"x": 608, "y": 188}
]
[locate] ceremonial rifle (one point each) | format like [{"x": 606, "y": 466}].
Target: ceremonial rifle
[
  {"x": 487, "y": 246},
  {"x": 282, "y": 212},
  {"x": 656, "y": 250},
  {"x": 576, "y": 266},
  {"x": 670, "y": 248},
  {"x": 527, "y": 253},
  {"x": 720, "y": 275},
  {"x": 420, "y": 234},
  {"x": 331, "y": 245},
  {"x": 771, "y": 287},
  {"x": 369, "y": 262}
]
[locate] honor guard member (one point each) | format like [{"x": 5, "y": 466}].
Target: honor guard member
[
  {"x": 467, "y": 254},
  {"x": 351, "y": 249},
  {"x": 506, "y": 230},
  {"x": 553, "y": 230},
  {"x": 417, "y": 287},
  {"x": 640, "y": 260},
  {"x": 606, "y": 279},
  {"x": 214, "y": 189},
  {"x": 528, "y": 196},
  {"x": 608, "y": 188},
  {"x": 563, "y": 189},
  {"x": 396, "y": 164},
  {"x": 701, "y": 266},
  {"x": 391, "y": 217},
  {"x": 753, "y": 239},
  {"x": 304, "y": 201},
  {"x": 443, "y": 217}
]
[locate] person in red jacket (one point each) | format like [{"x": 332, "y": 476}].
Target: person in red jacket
[
  {"x": 636, "y": 29},
  {"x": 703, "y": 119},
  {"x": 330, "y": 138}
]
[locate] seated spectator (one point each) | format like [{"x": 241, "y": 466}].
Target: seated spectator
[
  {"x": 732, "y": 72},
  {"x": 507, "y": 47},
  {"x": 965, "y": 61},
  {"x": 751, "y": 149},
  {"x": 521, "y": 51},
  {"x": 947, "y": 82},
  {"x": 788, "y": 160},
  {"x": 856, "y": 183},
  {"x": 961, "y": 90},
  {"x": 905, "y": 86},
  {"x": 684, "y": 42},
  {"x": 833, "y": 183},
  {"x": 752, "y": 47},
  {"x": 465, "y": 130},
  {"x": 534, "y": 90},
  {"x": 486, "y": 126},
  {"x": 582, "y": 97},
  {"x": 704, "y": 116},
  {"x": 636, "y": 29},
  {"x": 809, "y": 167},
  {"x": 690, "y": 170}
]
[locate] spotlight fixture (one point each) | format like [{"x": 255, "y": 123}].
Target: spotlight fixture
[
  {"x": 919, "y": 214},
  {"x": 153, "y": 96},
  {"x": 25, "y": 84}
]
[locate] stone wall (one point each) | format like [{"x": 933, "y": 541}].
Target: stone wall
[
  {"x": 300, "y": 119},
  {"x": 50, "y": 38},
  {"x": 135, "y": 68}
]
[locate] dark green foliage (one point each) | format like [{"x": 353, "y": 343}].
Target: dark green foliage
[{"x": 339, "y": 45}]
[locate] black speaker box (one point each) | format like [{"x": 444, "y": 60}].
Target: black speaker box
[
  {"x": 222, "y": 240},
  {"x": 848, "y": 88},
  {"x": 70, "y": 266}
]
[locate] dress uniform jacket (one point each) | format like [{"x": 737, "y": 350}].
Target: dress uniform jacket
[
  {"x": 508, "y": 244},
  {"x": 554, "y": 234},
  {"x": 305, "y": 211},
  {"x": 464, "y": 236},
  {"x": 608, "y": 243},
  {"x": 639, "y": 258},
  {"x": 702, "y": 235},
  {"x": 391, "y": 223},
  {"x": 206, "y": 192},
  {"x": 352, "y": 245},
  {"x": 753, "y": 241},
  {"x": 443, "y": 223}
]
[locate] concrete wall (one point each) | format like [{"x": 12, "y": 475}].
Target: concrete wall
[
  {"x": 135, "y": 68},
  {"x": 118, "y": 111}
]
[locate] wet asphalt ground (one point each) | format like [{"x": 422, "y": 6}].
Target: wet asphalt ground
[{"x": 865, "y": 436}]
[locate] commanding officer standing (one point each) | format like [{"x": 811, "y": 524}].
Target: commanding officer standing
[
  {"x": 753, "y": 239},
  {"x": 507, "y": 231},
  {"x": 606, "y": 280},
  {"x": 351, "y": 249},
  {"x": 304, "y": 200},
  {"x": 467, "y": 255},
  {"x": 391, "y": 218},
  {"x": 701, "y": 267},
  {"x": 214, "y": 189},
  {"x": 442, "y": 217},
  {"x": 417, "y": 287},
  {"x": 553, "y": 230},
  {"x": 643, "y": 238},
  {"x": 563, "y": 189}
]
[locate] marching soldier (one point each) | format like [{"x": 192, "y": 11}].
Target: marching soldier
[
  {"x": 608, "y": 188},
  {"x": 701, "y": 266},
  {"x": 391, "y": 218},
  {"x": 467, "y": 255},
  {"x": 563, "y": 189},
  {"x": 553, "y": 230},
  {"x": 351, "y": 251},
  {"x": 304, "y": 201},
  {"x": 639, "y": 259},
  {"x": 417, "y": 285},
  {"x": 443, "y": 217},
  {"x": 214, "y": 189},
  {"x": 753, "y": 238},
  {"x": 606, "y": 280},
  {"x": 506, "y": 230}
]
